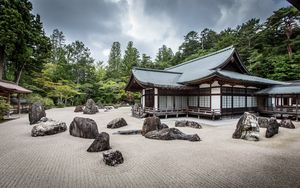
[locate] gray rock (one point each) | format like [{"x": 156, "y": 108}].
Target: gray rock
[
  {"x": 113, "y": 158},
  {"x": 117, "y": 123},
  {"x": 43, "y": 119},
  {"x": 163, "y": 126},
  {"x": 185, "y": 123},
  {"x": 263, "y": 122},
  {"x": 90, "y": 107},
  {"x": 171, "y": 134},
  {"x": 128, "y": 132},
  {"x": 247, "y": 128},
  {"x": 273, "y": 128},
  {"x": 101, "y": 143},
  {"x": 36, "y": 112},
  {"x": 78, "y": 108},
  {"x": 287, "y": 123},
  {"x": 48, "y": 127},
  {"x": 150, "y": 124},
  {"x": 84, "y": 128}
]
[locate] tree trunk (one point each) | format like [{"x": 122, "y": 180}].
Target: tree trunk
[
  {"x": 2, "y": 63},
  {"x": 18, "y": 74},
  {"x": 288, "y": 33}
]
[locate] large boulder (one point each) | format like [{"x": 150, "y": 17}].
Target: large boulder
[
  {"x": 113, "y": 158},
  {"x": 263, "y": 122},
  {"x": 273, "y": 128},
  {"x": 48, "y": 127},
  {"x": 78, "y": 108},
  {"x": 287, "y": 123},
  {"x": 150, "y": 124},
  {"x": 185, "y": 123},
  {"x": 36, "y": 112},
  {"x": 90, "y": 107},
  {"x": 101, "y": 143},
  {"x": 117, "y": 123},
  {"x": 84, "y": 128},
  {"x": 247, "y": 128},
  {"x": 171, "y": 134}
]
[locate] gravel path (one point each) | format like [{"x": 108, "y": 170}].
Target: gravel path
[{"x": 218, "y": 160}]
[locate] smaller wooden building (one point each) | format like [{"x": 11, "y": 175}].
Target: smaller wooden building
[
  {"x": 214, "y": 85},
  {"x": 7, "y": 89}
]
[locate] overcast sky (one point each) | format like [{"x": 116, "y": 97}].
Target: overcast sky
[{"x": 148, "y": 23}]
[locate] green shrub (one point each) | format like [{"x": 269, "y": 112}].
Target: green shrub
[
  {"x": 4, "y": 107},
  {"x": 47, "y": 102}
]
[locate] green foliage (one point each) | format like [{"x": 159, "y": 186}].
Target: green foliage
[
  {"x": 23, "y": 43},
  {"x": 131, "y": 59},
  {"x": 4, "y": 107},
  {"x": 47, "y": 102},
  {"x": 114, "y": 61}
]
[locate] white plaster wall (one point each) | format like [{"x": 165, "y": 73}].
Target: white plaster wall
[
  {"x": 216, "y": 90},
  {"x": 204, "y": 85},
  {"x": 239, "y": 86},
  {"x": 155, "y": 98},
  {"x": 215, "y": 102},
  {"x": 273, "y": 101},
  {"x": 143, "y": 98},
  {"x": 216, "y": 83},
  {"x": 290, "y": 101}
]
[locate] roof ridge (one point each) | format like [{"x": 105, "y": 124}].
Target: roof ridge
[
  {"x": 155, "y": 70},
  {"x": 201, "y": 57}
]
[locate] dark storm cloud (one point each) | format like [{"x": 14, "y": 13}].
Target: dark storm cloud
[{"x": 148, "y": 23}]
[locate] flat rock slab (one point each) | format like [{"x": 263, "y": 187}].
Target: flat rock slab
[
  {"x": 247, "y": 128},
  {"x": 116, "y": 123},
  {"x": 185, "y": 123},
  {"x": 36, "y": 112},
  {"x": 171, "y": 134},
  {"x": 129, "y": 132},
  {"x": 113, "y": 158},
  {"x": 84, "y": 128},
  {"x": 101, "y": 143},
  {"x": 48, "y": 127}
]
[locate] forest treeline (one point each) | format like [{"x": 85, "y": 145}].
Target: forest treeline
[{"x": 61, "y": 73}]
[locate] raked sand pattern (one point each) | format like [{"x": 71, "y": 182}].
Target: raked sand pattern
[{"x": 218, "y": 160}]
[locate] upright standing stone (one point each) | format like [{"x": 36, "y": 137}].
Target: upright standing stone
[
  {"x": 247, "y": 128},
  {"x": 90, "y": 107},
  {"x": 83, "y": 127},
  {"x": 273, "y": 128},
  {"x": 151, "y": 124},
  {"x": 36, "y": 112},
  {"x": 101, "y": 143}
]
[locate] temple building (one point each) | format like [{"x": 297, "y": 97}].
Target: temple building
[{"x": 214, "y": 85}]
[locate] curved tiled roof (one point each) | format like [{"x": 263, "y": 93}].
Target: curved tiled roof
[
  {"x": 281, "y": 89},
  {"x": 197, "y": 70}
]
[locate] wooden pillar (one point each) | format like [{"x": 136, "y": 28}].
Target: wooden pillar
[
  {"x": 297, "y": 104},
  {"x": 19, "y": 105},
  {"x": 8, "y": 101}
]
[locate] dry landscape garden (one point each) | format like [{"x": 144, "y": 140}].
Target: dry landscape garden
[{"x": 222, "y": 111}]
